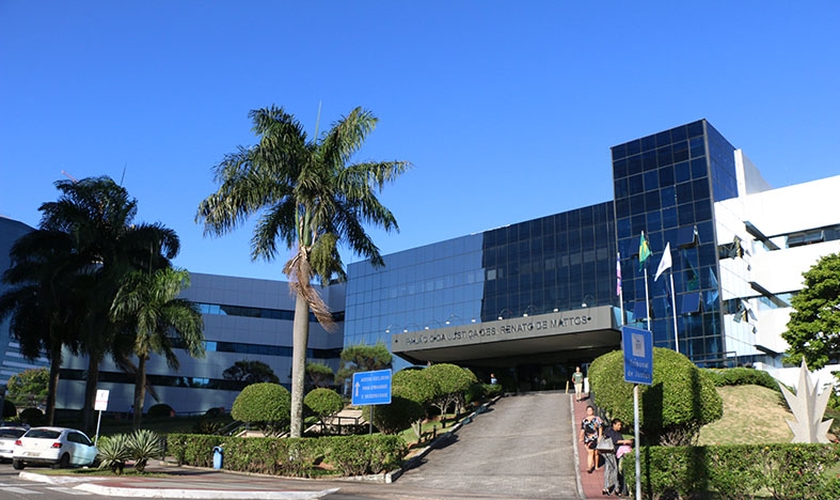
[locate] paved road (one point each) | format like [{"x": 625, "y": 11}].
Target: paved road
[{"x": 521, "y": 448}]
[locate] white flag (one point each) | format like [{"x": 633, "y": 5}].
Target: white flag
[{"x": 665, "y": 263}]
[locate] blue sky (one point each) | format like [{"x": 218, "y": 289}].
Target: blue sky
[{"x": 506, "y": 109}]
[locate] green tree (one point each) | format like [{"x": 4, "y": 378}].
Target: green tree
[
  {"x": 44, "y": 299},
  {"x": 419, "y": 386},
  {"x": 107, "y": 244},
  {"x": 362, "y": 358},
  {"x": 265, "y": 405},
  {"x": 681, "y": 399},
  {"x": 149, "y": 307},
  {"x": 813, "y": 331},
  {"x": 320, "y": 375},
  {"x": 250, "y": 372},
  {"x": 310, "y": 199},
  {"x": 29, "y": 387},
  {"x": 453, "y": 383}
]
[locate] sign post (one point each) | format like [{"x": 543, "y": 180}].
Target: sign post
[
  {"x": 371, "y": 388},
  {"x": 100, "y": 404},
  {"x": 638, "y": 369}
]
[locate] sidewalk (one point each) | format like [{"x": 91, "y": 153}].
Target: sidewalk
[{"x": 593, "y": 483}]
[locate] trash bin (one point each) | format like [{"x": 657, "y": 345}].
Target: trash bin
[{"x": 218, "y": 455}]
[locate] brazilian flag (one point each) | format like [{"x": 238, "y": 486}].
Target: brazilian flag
[{"x": 644, "y": 251}]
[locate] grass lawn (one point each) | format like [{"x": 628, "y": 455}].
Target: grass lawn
[{"x": 751, "y": 415}]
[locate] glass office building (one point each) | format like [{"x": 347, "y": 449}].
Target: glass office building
[{"x": 666, "y": 185}]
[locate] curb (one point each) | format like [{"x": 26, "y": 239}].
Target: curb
[{"x": 198, "y": 493}]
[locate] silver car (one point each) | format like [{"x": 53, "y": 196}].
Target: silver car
[
  {"x": 8, "y": 436},
  {"x": 57, "y": 446}
]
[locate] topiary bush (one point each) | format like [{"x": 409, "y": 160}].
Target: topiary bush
[
  {"x": 265, "y": 405},
  {"x": 160, "y": 410},
  {"x": 32, "y": 416},
  {"x": 681, "y": 399},
  {"x": 400, "y": 414},
  {"x": 323, "y": 403},
  {"x": 453, "y": 383}
]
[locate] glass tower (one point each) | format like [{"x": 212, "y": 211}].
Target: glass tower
[{"x": 666, "y": 185}]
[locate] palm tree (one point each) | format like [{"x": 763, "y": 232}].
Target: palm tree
[
  {"x": 98, "y": 215},
  {"x": 310, "y": 199},
  {"x": 160, "y": 321},
  {"x": 42, "y": 301}
]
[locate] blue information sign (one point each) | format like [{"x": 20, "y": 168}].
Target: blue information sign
[
  {"x": 638, "y": 355},
  {"x": 372, "y": 388}
]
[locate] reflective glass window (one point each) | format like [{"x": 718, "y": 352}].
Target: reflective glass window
[{"x": 682, "y": 172}]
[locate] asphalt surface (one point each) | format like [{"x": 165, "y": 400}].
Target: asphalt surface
[{"x": 520, "y": 447}]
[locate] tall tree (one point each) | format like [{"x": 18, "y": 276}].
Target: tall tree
[
  {"x": 98, "y": 214},
  {"x": 362, "y": 358},
  {"x": 250, "y": 372},
  {"x": 149, "y": 304},
  {"x": 813, "y": 331},
  {"x": 44, "y": 301},
  {"x": 310, "y": 199}
]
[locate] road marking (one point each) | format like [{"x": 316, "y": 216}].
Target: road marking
[
  {"x": 22, "y": 491},
  {"x": 67, "y": 491}
]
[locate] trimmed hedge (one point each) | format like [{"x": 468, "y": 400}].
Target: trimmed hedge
[
  {"x": 348, "y": 455},
  {"x": 742, "y": 376},
  {"x": 266, "y": 405},
  {"x": 738, "y": 472}
]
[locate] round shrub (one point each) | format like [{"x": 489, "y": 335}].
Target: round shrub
[
  {"x": 323, "y": 403},
  {"x": 418, "y": 385},
  {"x": 681, "y": 400},
  {"x": 266, "y": 405},
  {"x": 396, "y": 416},
  {"x": 32, "y": 416},
  {"x": 9, "y": 409},
  {"x": 160, "y": 410}
]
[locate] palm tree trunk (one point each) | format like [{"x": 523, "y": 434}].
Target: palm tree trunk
[
  {"x": 300, "y": 342},
  {"x": 88, "y": 420},
  {"x": 52, "y": 385},
  {"x": 139, "y": 391}
]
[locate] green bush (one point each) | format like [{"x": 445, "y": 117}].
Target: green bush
[
  {"x": 265, "y": 405},
  {"x": 323, "y": 403},
  {"x": 160, "y": 410},
  {"x": 741, "y": 376},
  {"x": 32, "y": 416},
  {"x": 397, "y": 416},
  {"x": 739, "y": 472},
  {"x": 492, "y": 390},
  {"x": 681, "y": 400},
  {"x": 348, "y": 455},
  {"x": 9, "y": 409}
]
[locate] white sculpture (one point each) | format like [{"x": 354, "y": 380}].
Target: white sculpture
[{"x": 808, "y": 408}]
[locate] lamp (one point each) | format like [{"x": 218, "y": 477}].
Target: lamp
[
  {"x": 529, "y": 310},
  {"x": 584, "y": 303},
  {"x": 503, "y": 312},
  {"x": 453, "y": 318}
]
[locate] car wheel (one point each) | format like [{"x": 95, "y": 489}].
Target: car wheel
[
  {"x": 63, "y": 462},
  {"x": 18, "y": 464}
]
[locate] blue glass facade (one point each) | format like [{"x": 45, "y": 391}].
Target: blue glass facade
[
  {"x": 666, "y": 185},
  {"x": 556, "y": 263}
]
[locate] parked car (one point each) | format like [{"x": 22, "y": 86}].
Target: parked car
[
  {"x": 8, "y": 435},
  {"x": 57, "y": 446}
]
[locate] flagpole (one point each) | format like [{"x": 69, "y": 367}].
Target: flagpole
[
  {"x": 620, "y": 287},
  {"x": 674, "y": 310},
  {"x": 647, "y": 298}
]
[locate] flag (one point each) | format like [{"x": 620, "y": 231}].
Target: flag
[
  {"x": 644, "y": 251},
  {"x": 618, "y": 274},
  {"x": 665, "y": 262}
]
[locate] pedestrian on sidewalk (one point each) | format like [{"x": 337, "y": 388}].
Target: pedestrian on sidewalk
[
  {"x": 577, "y": 379},
  {"x": 612, "y": 477},
  {"x": 590, "y": 432}
]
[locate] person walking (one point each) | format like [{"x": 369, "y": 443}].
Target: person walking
[
  {"x": 577, "y": 379},
  {"x": 612, "y": 477},
  {"x": 590, "y": 432}
]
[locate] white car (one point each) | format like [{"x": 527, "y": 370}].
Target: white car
[
  {"x": 57, "y": 446},
  {"x": 8, "y": 436}
]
